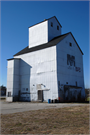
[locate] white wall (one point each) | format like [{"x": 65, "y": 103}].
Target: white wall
[
  {"x": 52, "y": 31},
  {"x": 12, "y": 78},
  {"x": 10, "y": 73},
  {"x": 43, "y": 32},
  {"x": 39, "y": 67},
  {"x": 66, "y": 73},
  {"x": 25, "y": 70},
  {"x": 16, "y": 77},
  {"x": 38, "y": 34},
  {"x": 9, "y": 99}
]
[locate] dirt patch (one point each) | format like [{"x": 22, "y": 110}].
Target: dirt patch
[
  {"x": 76, "y": 109},
  {"x": 71, "y": 120}
]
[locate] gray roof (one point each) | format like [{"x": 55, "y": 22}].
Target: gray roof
[
  {"x": 14, "y": 59},
  {"x": 53, "y": 42}
]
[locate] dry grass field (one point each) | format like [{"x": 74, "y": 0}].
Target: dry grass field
[{"x": 69, "y": 120}]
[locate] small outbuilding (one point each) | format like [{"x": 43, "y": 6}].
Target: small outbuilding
[
  {"x": 2, "y": 91},
  {"x": 50, "y": 67}
]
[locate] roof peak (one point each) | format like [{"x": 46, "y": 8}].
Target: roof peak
[
  {"x": 46, "y": 20},
  {"x": 52, "y": 42}
]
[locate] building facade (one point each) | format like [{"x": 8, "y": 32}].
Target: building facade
[{"x": 51, "y": 67}]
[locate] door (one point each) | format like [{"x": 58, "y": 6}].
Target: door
[
  {"x": 40, "y": 95},
  {"x": 66, "y": 93}
]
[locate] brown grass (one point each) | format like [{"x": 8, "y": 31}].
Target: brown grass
[{"x": 70, "y": 120}]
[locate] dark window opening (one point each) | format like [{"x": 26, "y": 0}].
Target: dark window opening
[
  {"x": 70, "y": 44},
  {"x": 76, "y": 83},
  {"x": 26, "y": 89},
  {"x": 9, "y": 94},
  {"x": 66, "y": 82},
  {"x": 51, "y": 24},
  {"x": 57, "y": 27}
]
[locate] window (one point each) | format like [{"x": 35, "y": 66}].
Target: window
[
  {"x": 51, "y": 24},
  {"x": 26, "y": 89},
  {"x": 76, "y": 83},
  {"x": 9, "y": 94},
  {"x": 57, "y": 27},
  {"x": 70, "y": 44}
]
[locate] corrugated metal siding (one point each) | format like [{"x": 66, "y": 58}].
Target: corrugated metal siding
[
  {"x": 66, "y": 73},
  {"x": 39, "y": 68}
]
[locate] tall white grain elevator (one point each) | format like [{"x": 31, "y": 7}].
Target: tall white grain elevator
[{"x": 50, "y": 67}]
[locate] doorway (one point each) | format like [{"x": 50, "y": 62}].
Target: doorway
[{"x": 40, "y": 95}]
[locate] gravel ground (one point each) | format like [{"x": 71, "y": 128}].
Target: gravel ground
[{"x": 14, "y": 107}]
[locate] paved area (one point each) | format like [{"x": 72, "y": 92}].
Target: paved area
[{"x": 14, "y": 107}]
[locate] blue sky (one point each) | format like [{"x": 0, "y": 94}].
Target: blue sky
[{"x": 16, "y": 17}]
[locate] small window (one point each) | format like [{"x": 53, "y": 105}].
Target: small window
[
  {"x": 76, "y": 83},
  {"x": 26, "y": 89},
  {"x": 66, "y": 82},
  {"x": 70, "y": 44},
  {"x": 57, "y": 27},
  {"x": 51, "y": 24},
  {"x": 9, "y": 94}
]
